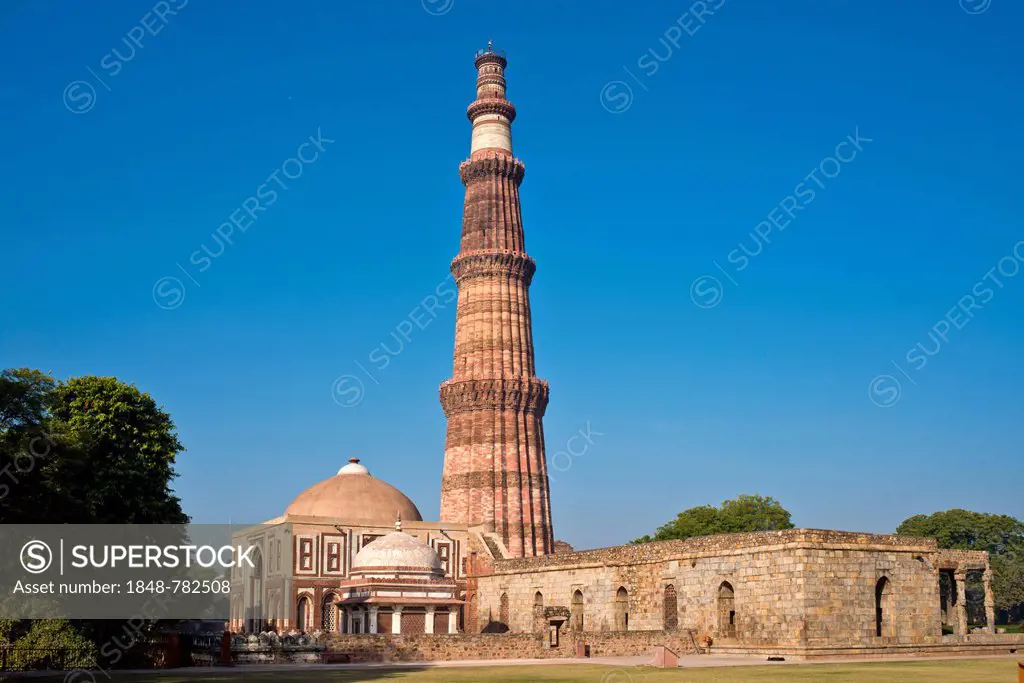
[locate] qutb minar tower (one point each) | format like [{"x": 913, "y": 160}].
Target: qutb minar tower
[{"x": 495, "y": 473}]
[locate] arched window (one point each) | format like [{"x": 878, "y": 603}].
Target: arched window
[
  {"x": 329, "y": 614},
  {"x": 577, "y": 610},
  {"x": 302, "y": 614},
  {"x": 883, "y": 607},
  {"x": 538, "y": 599},
  {"x": 726, "y": 610},
  {"x": 622, "y": 609},
  {"x": 671, "y": 608}
]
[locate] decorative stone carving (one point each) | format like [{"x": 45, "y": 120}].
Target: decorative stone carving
[
  {"x": 492, "y": 166},
  {"x": 505, "y": 264},
  {"x": 491, "y": 105},
  {"x": 529, "y": 395}
]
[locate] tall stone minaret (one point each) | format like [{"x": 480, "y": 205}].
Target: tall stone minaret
[{"x": 495, "y": 472}]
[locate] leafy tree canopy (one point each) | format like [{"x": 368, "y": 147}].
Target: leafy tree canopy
[
  {"x": 1001, "y": 535},
  {"x": 965, "y": 530},
  {"x": 741, "y": 514},
  {"x": 88, "y": 450}
]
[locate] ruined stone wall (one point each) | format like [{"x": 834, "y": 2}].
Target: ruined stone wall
[
  {"x": 766, "y": 586},
  {"x": 840, "y": 596},
  {"x": 790, "y": 588},
  {"x": 437, "y": 647}
]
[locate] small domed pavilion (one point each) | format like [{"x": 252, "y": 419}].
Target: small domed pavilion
[{"x": 398, "y": 585}]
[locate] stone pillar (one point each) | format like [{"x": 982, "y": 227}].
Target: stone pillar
[
  {"x": 960, "y": 577},
  {"x": 396, "y": 620},
  {"x": 428, "y": 625},
  {"x": 453, "y": 620},
  {"x": 290, "y": 606},
  {"x": 373, "y": 620},
  {"x": 990, "y": 601}
]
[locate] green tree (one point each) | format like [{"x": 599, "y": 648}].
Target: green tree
[
  {"x": 125, "y": 449},
  {"x": 1002, "y": 536},
  {"x": 26, "y": 446},
  {"x": 88, "y": 450},
  {"x": 741, "y": 514}
]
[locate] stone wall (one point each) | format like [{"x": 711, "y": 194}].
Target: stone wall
[
  {"x": 428, "y": 648},
  {"x": 425, "y": 648},
  {"x": 840, "y": 586},
  {"x": 792, "y": 588}
]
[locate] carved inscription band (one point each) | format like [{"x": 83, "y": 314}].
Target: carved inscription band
[{"x": 529, "y": 395}]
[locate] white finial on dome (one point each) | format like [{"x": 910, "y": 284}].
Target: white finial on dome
[
  {"x": 353, "y": 467},
  {"x": 398, "y": 522}
]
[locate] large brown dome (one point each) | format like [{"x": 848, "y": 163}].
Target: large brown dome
[{"x": 354, "y": 497}]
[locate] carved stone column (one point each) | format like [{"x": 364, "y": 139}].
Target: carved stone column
[
  {"x": 990, "y": 600},
  {"x": 453, "y": 620},
  {"x": 960, "y": 576},
  {"x": 396, "y": 620},
  {"x": 428, "y": 624},
  {"x": 373, "y": 620}
]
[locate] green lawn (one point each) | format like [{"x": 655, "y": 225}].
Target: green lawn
[{"x": 954, "y": 671}]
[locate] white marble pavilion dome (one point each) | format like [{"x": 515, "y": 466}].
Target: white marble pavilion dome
[
  {"x": 355, "y": 497},
  {"x": 399, "y": 552}
]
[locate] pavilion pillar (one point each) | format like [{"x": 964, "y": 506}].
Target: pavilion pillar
[
  {"x": 373, "y": 620},
  {"x": 396, "y": 620},
  {"x": 960, "y": 577},
  {"x": 428, "y": 626},
  {"x": 990, "y": 600},
  {"x": 289, "y": 606},
  {"x": 453, "y": 620}
]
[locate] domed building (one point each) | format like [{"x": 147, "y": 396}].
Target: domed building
[
  {"x": 334, "y": 561},
  {"x": 398, "y": 585},
  {"x": 355, "y": 496}
]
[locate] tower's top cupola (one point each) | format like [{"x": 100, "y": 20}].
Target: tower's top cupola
[
  {"x": 490, "y": 56},
  {"x": 491, "y": 112}
]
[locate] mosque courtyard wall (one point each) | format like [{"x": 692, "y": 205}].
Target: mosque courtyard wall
[{"x": 795, "y": 588}]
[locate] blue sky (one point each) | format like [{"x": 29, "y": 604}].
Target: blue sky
[{"x": 656, "y": 145}]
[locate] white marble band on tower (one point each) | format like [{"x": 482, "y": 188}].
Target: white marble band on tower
[{"x": 491, "y": 130}]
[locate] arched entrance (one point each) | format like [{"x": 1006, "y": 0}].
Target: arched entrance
[
  {"x": 671, "y": 609},
  {"x": 329, "y": 614},
  {"x": 302, "y": 614},
  {"x": 726, "y": 610},
  {"x": 622, "y": 609},
  {"x": 577, "y": 610},
  {"x": 883, "y": 607}
]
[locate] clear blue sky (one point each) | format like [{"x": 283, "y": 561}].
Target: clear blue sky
[{"x": 767, "y": 391}]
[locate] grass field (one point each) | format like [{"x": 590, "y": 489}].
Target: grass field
[{"x": 949, "y": 671}]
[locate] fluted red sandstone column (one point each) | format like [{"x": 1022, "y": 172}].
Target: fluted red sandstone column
[{"x": 495, "y": 472}]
